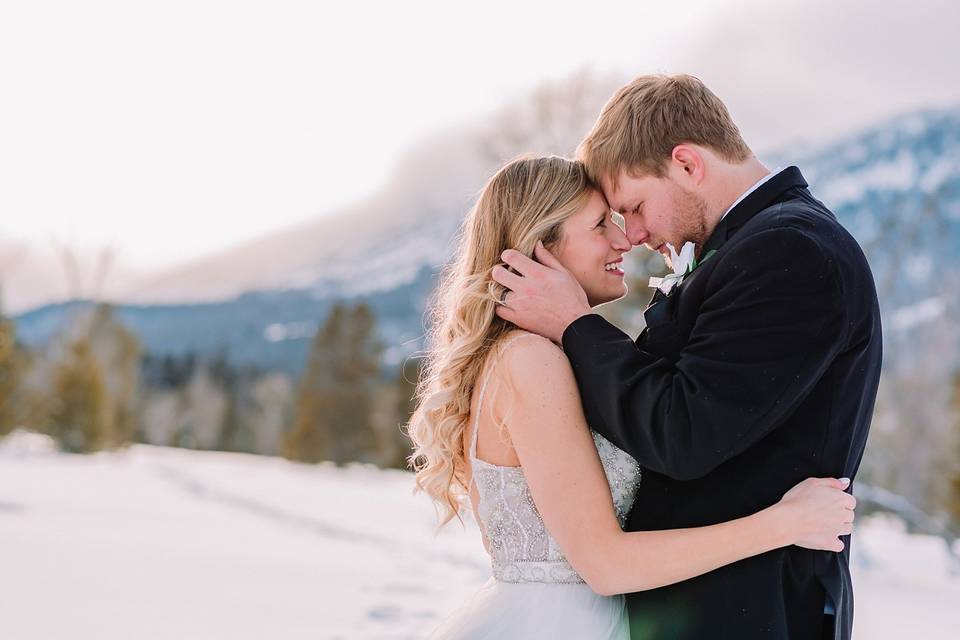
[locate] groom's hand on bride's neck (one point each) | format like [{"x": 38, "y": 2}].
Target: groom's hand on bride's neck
[{"x": 542, "y": 297}]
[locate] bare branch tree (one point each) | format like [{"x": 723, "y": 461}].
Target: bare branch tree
[
  {"x": 551, "y": 120},
  {"x": 104, "y": 262},
  {"x": 70, "y": 263}
]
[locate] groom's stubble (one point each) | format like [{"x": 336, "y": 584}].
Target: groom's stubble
[{"x": 691, "y": 220}]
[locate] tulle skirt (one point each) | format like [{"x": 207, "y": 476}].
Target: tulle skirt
[{"x": 504, "y": 610}]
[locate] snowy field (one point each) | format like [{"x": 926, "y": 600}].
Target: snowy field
[{"x": 167, "y": 543}]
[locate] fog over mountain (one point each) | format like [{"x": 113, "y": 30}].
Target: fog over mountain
[
  {"x": 895, "y": 185},
  {"x": 206, "y": 146}
]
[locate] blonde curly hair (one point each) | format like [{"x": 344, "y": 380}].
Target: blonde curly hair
[{"x": 525, "y": 201}]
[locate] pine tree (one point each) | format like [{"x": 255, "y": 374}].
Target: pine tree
[
  {"x": 334, "y": 409},
  {"x": 236, "y": 432},
  {"x": 79, "y": 415},
  {"x": 356, "y": 383},
  {"x": 310, "y": 438},
  {"x": 953, "y": 491},
  {"x": 13, "y": 361},
  {"x": 91, "y": 402},
  {"x": 117, "y": 352},
  {"x": 399, "y": 446}
]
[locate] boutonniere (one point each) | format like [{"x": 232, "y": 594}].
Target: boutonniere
[{"x": 683, "y": 265}]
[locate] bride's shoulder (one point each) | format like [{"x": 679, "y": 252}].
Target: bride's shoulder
[
  {"x": 524, "y": 355},
  {"x": 520, "y": 341}
]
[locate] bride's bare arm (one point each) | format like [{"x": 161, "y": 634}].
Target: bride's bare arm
[{"x": 549, "y": 433}]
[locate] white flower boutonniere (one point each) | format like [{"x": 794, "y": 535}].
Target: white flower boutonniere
[{"x": 683, "y": 264}]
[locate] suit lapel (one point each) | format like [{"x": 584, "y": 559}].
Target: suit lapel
[
  {"x": 765, "y": 195},
  {"x": 658, "y": 295}
]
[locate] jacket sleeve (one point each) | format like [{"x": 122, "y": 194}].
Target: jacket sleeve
[{"x": 771, "y": 322}]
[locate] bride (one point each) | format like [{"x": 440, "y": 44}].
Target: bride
[{"x": 499, "y": 428}]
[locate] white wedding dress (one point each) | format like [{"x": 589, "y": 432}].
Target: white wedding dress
[{"x": 534, "y": 592}]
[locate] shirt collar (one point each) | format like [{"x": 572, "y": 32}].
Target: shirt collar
[{"x": 756, "y": 185}]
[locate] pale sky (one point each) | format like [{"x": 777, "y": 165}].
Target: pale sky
[{"x": 174, "y": 129}]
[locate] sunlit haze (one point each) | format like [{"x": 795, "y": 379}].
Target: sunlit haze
[{"x": 168, "y": 131}]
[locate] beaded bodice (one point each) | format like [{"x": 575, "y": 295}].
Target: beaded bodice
[{"x": 521, "y": 548}]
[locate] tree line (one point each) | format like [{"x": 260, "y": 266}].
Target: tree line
[{"x": 93, "y": 388}]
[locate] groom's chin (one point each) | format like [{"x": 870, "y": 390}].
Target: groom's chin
[{"x": 663, "y": 252}]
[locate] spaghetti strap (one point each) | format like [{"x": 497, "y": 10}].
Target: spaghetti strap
[{"x": 483, "y": 388}]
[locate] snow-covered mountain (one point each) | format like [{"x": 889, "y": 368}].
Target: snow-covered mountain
[
  {"x": 379, "y": 243},
  {"x": 895, "y": 185}
]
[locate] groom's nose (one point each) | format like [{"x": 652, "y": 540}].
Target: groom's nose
[{"x": 637, "y": 233}]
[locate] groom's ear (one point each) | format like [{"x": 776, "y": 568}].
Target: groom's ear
[{"x": 687, "y": 162}]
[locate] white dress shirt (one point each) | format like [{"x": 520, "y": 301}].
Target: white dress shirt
[{"x": 756, "y": 185}]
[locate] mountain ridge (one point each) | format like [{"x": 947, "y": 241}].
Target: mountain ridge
[{"x": 895, "y": 186}]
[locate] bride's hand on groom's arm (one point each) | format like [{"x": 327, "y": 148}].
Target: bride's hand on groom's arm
[
  {"x": 816, "y": 512},
  {"x": 542, "y": 297}
]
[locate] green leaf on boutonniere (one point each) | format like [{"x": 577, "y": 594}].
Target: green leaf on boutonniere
[{"x": 696, "y": 263}]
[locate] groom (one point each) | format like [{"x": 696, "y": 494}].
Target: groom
[{"x": 757, "y": 369}]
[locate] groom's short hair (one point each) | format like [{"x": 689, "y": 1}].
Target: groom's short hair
[{"x": 641, "y": 124}]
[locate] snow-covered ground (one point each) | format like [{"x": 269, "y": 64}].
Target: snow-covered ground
[{"x": 153, "y": 542}]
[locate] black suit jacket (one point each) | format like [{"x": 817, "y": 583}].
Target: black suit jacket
[{"x": 759, "y": 370}]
